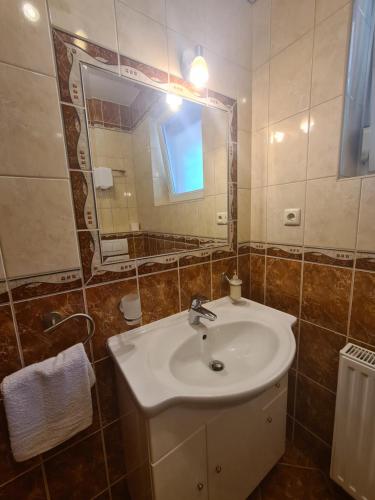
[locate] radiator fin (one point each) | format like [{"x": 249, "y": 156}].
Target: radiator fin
[{"x": 353, "y": 451}]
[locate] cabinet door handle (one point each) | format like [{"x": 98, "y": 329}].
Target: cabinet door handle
[
  {"x": 218, "y": 469},
  {"x": 269, "y": 420},
  {"x": 200, "y": 486}
]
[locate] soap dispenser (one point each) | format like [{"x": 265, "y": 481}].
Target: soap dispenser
[{"x": 234, "y": 285}]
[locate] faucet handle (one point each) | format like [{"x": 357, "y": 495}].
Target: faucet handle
[{"x": 198, "y": 300}]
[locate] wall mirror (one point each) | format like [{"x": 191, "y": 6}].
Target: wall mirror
[
  {"x": 358, "y": 131},
  {"x": 160, "y": 168}
]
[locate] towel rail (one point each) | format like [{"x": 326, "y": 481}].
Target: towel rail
[{"x": 53, "y": 320}]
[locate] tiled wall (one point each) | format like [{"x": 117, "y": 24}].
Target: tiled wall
[
  {"x": 322, "y": 271},
  {"x": 37, "y": 228}
]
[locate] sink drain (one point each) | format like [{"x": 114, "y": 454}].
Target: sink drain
[{"x": 216, "y": 365}]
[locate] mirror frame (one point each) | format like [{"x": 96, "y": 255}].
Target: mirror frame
[{"x": 71, "y": 52}]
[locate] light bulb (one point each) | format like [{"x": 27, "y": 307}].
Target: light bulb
[
  {"x": 174, "y": 101},
  {"x": 30, "y": 12},
  {"x": 199, "y": 70}
]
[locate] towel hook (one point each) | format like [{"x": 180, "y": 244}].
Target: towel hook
[{"x": 53, "y": 320}]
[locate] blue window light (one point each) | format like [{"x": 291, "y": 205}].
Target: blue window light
[{"x": 182, "y": 134}]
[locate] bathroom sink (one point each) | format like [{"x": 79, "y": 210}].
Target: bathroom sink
[{"x": 246, "y": 350}]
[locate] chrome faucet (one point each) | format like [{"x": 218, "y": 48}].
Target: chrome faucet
[{"x": 197, "y": 311}]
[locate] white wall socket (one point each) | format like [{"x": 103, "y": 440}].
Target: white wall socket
[
  {"x": 221, "y": 218},
  {"x": 292, "y": 217}
]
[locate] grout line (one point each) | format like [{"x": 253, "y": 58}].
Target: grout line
[{"x": 317, "y": 383}]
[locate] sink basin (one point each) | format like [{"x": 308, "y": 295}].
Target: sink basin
[{"x": 169, "y": 362}]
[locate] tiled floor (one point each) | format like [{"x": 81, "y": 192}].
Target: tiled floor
[{"x": 288, "y": 481}]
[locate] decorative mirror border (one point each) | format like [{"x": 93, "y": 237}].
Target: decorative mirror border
[{"x": 71, "y": 52}]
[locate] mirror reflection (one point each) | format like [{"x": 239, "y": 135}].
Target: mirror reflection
[
  {"x": 160, "y": 168},
  {"x": 358, "y": 132}
]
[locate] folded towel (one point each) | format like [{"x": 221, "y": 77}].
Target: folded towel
[
  {"x": 47, "y": 403},
  {"x": 103, "y": 178}
]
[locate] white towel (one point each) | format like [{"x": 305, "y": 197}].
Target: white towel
[
  {"x": 47, "y": 403},
  {"x": 103, "y": 178}
]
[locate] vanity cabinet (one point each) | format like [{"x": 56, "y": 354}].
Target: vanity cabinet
[{"x": 224, "y": 458}]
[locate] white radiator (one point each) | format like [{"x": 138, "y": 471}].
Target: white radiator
[{"x": 353, "y": 451}]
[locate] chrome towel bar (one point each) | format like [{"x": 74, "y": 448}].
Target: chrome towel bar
[{"x": 53, "y": 320}]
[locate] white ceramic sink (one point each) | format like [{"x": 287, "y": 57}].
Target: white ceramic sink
[{"x": 168, "y": 362}]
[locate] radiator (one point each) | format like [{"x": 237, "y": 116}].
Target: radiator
[{"x": 353, "y": 450}]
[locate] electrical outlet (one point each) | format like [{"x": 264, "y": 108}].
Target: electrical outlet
[
  {"x": 221, "y": 218},
  {"x": 292, "y": 217}
]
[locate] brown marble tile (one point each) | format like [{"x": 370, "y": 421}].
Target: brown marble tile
[
  {"x": 220, "y": 287},
  {"x": 159, "y": 295},
  {"x": 4, "y": 296},
  {"x": 9, "y": 356},
  {"x": 136, "y": 486},
  {"x": 244, "y": 274},
  {"x": 291, "y": 391},
  {"x": 77, "y": 472},
  {"x": 120, "y": 490},
  {"x": 283, "y": 281},
  {"x": 294, "y": 483},
  {"x": 37, "y": 345},
  {"x": 255, "y": 495},
  {"x": 198, "y": 257},
  {"x": 94, "y": 110},
  {"x": 106, "y": 384},
  {"x": 257, "y": 277},
  {"x": 111, "y": 114},
  {"x": 194, "y": 280},
  {"x": 103, "y": 305},
  {"x": 83, "y": 199},
  {"x": 319, "y": 354},
  {"x": 306, "y": 450},
  {"x": 315, "y": 408},
  {"x": 9, "y": 468},
  {"x": 126, "y": 445},
  {"x": 325, "y": 299},
  {"x": 362, "y": 322},
  {"x": 29, "y": 486}
]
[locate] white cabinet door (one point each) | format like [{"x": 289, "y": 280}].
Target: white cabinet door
[
  {"x": 243, "y": 444},
  {"x": 182, "y": 474}
]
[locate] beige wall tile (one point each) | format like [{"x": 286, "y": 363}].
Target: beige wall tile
[
  {"x": 261, "y": 34},
  {"x": 366, "y": 231},
  {"x": 228, "y": 29},
  {"x": 243, "y": 157},
  {"x": 32, "y": 141},
  {"x": 290, "y": 75},
  {"x": 325, "y": 8},
  {"x": 258, "y": 214},
  {"x": 188, "y": 19},
  {"x": 287, "y": 154},
  {"x": 25, "y": 42},
  {"x": 150, "y": 8},
  {"x": 330, "y": 55},
  {"x": 259, "y": 158},
  {"x": 37, "y": 231},
  {"x": 243, "y": 214},
  {"x": 290, "y": 19},
  {"x": 141, "y": 38},
  {"x": 260, "y": 90},
  {"x": 243, "y": 95},
  {"x": 278, "y": 199},
  {"x": 325, "y": 138},
  {"x": 90, "y": 19},
  {"x": 332, "y": 212}
]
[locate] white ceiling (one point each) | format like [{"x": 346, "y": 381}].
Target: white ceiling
[{"x": 107, "y": 87}]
